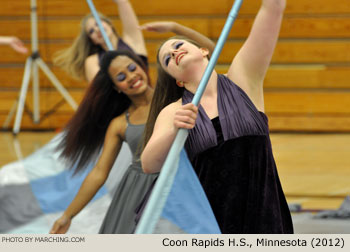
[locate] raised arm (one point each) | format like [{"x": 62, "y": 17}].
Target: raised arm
[
  {"x": 132, "y": 35},
  {"x": 93, "y": 181},
  {"x": 169, "y": 26},
  {"x": 249, "y": 66},
  {"x": 169, "y": 120}
]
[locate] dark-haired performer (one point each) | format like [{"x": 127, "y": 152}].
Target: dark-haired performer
[{"x": 113, "y": 110}]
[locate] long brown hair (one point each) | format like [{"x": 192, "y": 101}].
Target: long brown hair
[
  {"x": 166, "y": 92},
  {"x": 72, "y": 59},
  {"x": 84, "y": 134}
]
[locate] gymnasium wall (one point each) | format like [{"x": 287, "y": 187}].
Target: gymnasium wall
[{"x": 307, "y": 87}]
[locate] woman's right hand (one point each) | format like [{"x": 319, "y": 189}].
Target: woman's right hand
[
  {"x": 185, "y": 117},
  {"x": 61, "y": 225}
]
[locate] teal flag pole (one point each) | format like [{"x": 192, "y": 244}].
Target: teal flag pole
[
  {"x": 157, "y": 200},
  {"x": 99, "y": 23}
]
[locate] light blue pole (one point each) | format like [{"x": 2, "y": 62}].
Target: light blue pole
[
  {"x": 166, "y": 177},
  {"x": 99, "y": 23}
]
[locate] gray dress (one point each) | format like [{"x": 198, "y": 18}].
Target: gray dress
[{"x": 120, "y": 217}]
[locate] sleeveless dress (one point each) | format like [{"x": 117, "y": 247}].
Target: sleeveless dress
[
  {"x": 25, "y": 207},
  {"x": 232, "y": 156},
  {"x": 124, "y": 154},
  {"x": 120, "y": 217}
]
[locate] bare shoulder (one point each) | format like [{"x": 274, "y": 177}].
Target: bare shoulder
[
  {"x": 171, "y": 108},
  {"x": 166, "y": 115},
  {"x": 91, "y": 66},
  {"x": 92, "y": 59},
  {"x": 118, "y": 126},
  {"x": 165, "y": 118}
]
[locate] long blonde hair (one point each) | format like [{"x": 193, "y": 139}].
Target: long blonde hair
[{"x": 72, "y": 59}]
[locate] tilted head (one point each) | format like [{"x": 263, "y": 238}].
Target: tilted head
[
  {"x": 178, "y": 60},
  {"x": 88, "y": 42},
  {"x": 126, "y": 72},
  {"x": 92, "y": 30},
  {"x": 90, "y": 33},
  {"x": 122, "y": 75},
  {"x": 182, "y": 58}
]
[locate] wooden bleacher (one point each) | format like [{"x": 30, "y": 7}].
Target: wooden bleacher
[{"x": 307, "y": 87}]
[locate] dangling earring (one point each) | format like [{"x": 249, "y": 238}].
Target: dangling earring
[{"x": 180, "y": 83}]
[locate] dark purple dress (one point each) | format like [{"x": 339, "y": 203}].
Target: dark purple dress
[{"x": 233, "y": 159}]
